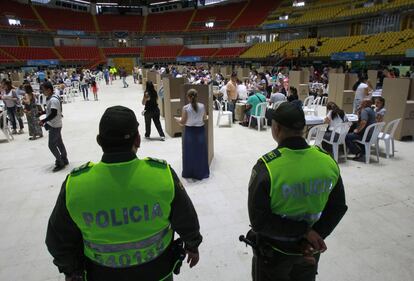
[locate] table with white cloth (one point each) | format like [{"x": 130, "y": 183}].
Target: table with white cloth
[{"x": 352, "y": 117}]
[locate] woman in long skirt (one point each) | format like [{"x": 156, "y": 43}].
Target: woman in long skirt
[
  {"x": 32, "y": 113},
  {"x": 195, "y": 156}
]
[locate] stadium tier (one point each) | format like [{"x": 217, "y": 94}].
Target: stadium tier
[
  {"x": 230, "y": 52},
  {"x": 202, "y": 52},
  {"x": 11, "y": 9},
  {"x": 122, "y": 51},
  {"x": 30, "y": 53},
  {"x": 79, "y": 53},
  {"x": 162, "y": 52},
  {"x": 110, "y": 23},
  {"x": 168, "y": 22}
]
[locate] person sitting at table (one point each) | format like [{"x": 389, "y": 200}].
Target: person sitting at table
[
  {"x": 335, "y": 117},
  {"x": 366, "y": 117},
  {"x": 380, "y": 109},
  {"x": 276, "y": 95},
  {"x": 294, "y": 98},
  {"x": 252, "y": 102},
  {"x": 241, "y": 90}
]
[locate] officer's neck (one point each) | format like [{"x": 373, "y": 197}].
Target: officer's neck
[
  {"x": 116, "y": 157},
  {"x": 293, "y": 142}
]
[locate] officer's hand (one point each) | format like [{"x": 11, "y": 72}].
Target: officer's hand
[
  {"x": 316, "y": 241},
  {"x": 192, "y": 258}
]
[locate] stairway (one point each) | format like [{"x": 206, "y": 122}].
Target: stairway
[
  {"x": 40, "y": 18},
  {"x": 239, "y": 14},
  {"x": 57, "y": 53},
  {"x": 96, "y": 24},
  {"x": 191, "y": 20}
]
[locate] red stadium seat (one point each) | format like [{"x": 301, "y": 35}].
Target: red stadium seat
[
  {"x": 230, "y": 52},
  {"x": 79, "y": 53},
  {"x": 61, "y": 19},
  {"x": 109, "y": 23},
  {"x": 168, "y": 22},
  {"x": 122, "y": 51},
  {"x": 31, "y": 53},
  {"x": 255, "y": 13},
  {"x": 221, "y": 15},
  {"x": 20, "y": 11},
  {"x": 161, "y": 52},
  {"x": 205, "y": 52}
]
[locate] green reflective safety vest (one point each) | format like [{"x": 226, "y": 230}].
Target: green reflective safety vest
[
  {"x": 301, "y": 181},
  {"x": 122, "y": 210}
]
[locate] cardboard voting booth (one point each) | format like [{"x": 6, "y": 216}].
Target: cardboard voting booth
[
  {"x": 395, "y": 92},
  {"x": 205, "y": 96},
  {"x": 340, "y": 90},
  {"x": 173, "y": 104}
]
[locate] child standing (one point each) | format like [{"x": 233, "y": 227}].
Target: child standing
[{"x": 94, "y": 87}]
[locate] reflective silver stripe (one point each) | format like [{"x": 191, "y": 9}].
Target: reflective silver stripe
[
  {"x": 304, "y": 217},
  {"x": 139, "y": 245}
]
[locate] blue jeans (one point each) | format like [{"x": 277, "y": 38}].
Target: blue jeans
[
  {"x": 85, "y": 91},
  {"x": 11, "y": 112},
  {"x": 353, "y": 147}
]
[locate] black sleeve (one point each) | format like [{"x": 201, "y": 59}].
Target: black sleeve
[
  {"x": 53, "y": 114},
  {"x": 261, "y": 217},
  {"x": 184, "y": 218},
  {"x": 63, "y": 238},
  {"x": 333, "y": 212}
]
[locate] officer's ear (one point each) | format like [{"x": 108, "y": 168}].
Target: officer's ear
[
  {"x": 137, "y": 141},
  {"x": 98, "y": 140}
]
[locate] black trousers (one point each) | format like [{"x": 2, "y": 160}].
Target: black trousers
[
  {"x": 283, "y": 268},
  {"x": 154, "y": 116},
  {"x": 56, "y": 145}
]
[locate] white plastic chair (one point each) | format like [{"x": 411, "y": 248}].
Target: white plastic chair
[
  {"x": 6, "y": 129},
  {"x": 375, "y": 129},
  {"x": 276, "y": 104},
  {"x": 308, "y": 101},
  {"x": 324, "y": 100},
  {"x": 75, "y": 88},
  {"x": 259, "y": 115},
  {"x": 311, "y": 105},
  {"x": 388, "y": 136},
  {"x": 316, "y": 134},
  {"x": 342, "y": 130},
  {"x": 224, "y": 112}
]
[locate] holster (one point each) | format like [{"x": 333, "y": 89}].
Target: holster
[{"x": 177, "y": 248}]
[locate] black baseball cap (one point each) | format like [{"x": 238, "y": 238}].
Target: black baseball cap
[
  {"x": 289, "y": 115},
  {"x": 118, "y": 124}
]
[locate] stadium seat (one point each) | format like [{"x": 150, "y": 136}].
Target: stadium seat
[
  {"x": 122, "y": 51},
  {"x": 161, "y": 52},
  {"x": 77, "y": 53},
  {"x": 31, "y": 53},
  {"x": 110, "y": 23},
  {"x": 168, "y": 22},
  {"x": 59, "y": 19},
  {"x": 204, "y": 52},
  {"x": 229, "y": 52}
]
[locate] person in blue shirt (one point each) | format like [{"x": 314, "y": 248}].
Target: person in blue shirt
[{"x": 252, "y": 102}]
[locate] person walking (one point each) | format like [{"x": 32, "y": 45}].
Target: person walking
[
  {"x": 152, "y": 111},
  {"x": 195, "y": 154},
  {"x": 53, "y": 124},
  {"x": 123, "y": 74},
  {"x": 116, "y": 219},
  {"x": 84, "y": 86},
  {"x": 32, "y": 113},
  {"x": 94, "y": 87},
  {"x": 12, "y": 103},
  {"x": 296, "y": 199}
]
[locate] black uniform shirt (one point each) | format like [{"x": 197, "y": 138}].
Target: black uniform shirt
[
  {"x": 65, "y": 243},
  {"x": 281, "y": 229}
]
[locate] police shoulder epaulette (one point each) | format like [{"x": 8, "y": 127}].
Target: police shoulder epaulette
[
  {"x": 81, "y": 169},
  {"x": 272, "y": 155},
  {"x": 157, "y": 161}
]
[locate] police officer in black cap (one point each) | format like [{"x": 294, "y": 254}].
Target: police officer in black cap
[
  {"x": 116, "y": 219},
  {"x": 296, "y": 199}
]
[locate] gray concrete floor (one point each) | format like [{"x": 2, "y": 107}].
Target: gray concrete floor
[{"x": 373, "y": 242}]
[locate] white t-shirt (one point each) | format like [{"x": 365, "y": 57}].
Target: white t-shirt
[
  {"x": 242, "y": 91},
  {"x": 54, "y": 102},
  {"x": 360, "y": 91},
  {"x": 334, "y": 122},
  {"x": 195, "y": 119}
]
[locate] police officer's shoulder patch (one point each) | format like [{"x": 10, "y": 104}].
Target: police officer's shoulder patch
[
  {"x": 81, "y": 169},
  {"x": 272, "y": 155},
  {"x": 156, "y": 161}
]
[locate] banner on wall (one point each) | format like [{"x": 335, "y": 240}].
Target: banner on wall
[
  {"x": 188, "y": 59},
  {"x": 348, "y": 56},
  {"x": 70, "y": 32},
  {"x": 42, "y": 62},
  {"x": 274, "y": 25}
]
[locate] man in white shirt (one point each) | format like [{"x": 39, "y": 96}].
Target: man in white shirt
[
  {"x": 53, "y": 123},
  {"x": 241, "y": 90}
]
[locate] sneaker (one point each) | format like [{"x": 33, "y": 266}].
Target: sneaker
[
  {"x": 65, "y": 161},
  {"x": 162, "y": 139},
  {"x": 58, "y": 168},
  {"x": 21, "y": 131}
]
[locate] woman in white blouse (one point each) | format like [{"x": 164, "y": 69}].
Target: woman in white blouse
[{"x": 195, "y": 157}]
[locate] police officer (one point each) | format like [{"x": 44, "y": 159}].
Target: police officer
[
  {"x": 115, "y": 220},
  {"x": 296, "y": 199}
]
